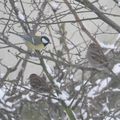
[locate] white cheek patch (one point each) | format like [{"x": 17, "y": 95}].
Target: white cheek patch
[{"x": 44, "y": 40}]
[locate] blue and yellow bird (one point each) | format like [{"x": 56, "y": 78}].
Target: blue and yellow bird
[{"x": 35, "y": 42}]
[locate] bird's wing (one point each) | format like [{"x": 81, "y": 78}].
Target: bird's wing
[
  {"x": 32, "y": 39},
  {"x": 37, "y": 40}
]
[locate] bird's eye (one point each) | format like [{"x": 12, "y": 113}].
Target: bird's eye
[{"x": 44, "y": 40}]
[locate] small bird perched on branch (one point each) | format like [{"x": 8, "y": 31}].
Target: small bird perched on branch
[
  {"x": 96, "y": 56},
  {"x": 98, "y": 60},
  {"x": 39, "y": 83},
  {"x": 34, "y": 42}
]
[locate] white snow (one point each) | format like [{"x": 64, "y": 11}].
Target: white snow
[
  {"x": 116, "y": 90},
  {"x": 77, "y": 88},
  {"x": 71, "y": 76},
  {"x": 116, "y": 68},
  {"x": 2, "y": 75},
  {"x": 2, "y": 93},
  {"x": 54, "y": 100},
  {"x": 57, "y": 83},
  {"x": 84, "y": 114},
  {"x": 101, "y": 84},
  {"x": 26, "y": 97},
  {"x": 21, "y": 16},
  {"x": 110, "y": 118},
  {"x": 109, "y": 46},
  {"x": 9, "y": 104},
  {"x": 50, "y": 71},
  {"x": 64, "y": 70},
  {"x": 105, "y": 108},
  {"x": 64, "y": 95},
  {"x": 68, "y": 102},
  {"x": 118, "y": 37}
]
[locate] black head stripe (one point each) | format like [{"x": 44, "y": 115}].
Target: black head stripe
[{"x": 45, "y": 40}]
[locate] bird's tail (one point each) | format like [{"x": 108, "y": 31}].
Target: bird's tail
[{"x": 24, "y": 37}]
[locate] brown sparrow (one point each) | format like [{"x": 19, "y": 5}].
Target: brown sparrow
[
  {"x": 39, "y": 83},
  {"x": 99, "y": 61},
  {"x": 96, "y": 56}
]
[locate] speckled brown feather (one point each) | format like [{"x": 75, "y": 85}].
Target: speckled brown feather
[
  {"x": 39, "y": 83},
  {"x": 96, "y": 56}
]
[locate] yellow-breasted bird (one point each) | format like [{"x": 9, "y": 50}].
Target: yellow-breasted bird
[{"x": 34, "y": 42}]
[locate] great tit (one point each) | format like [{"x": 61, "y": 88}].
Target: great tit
[{"x": 35, "y": 42}]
